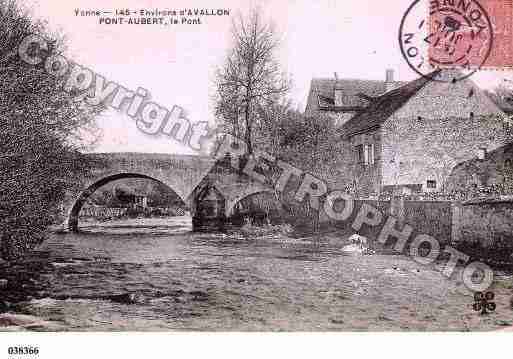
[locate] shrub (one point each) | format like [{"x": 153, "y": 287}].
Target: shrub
[{"x": 41, "y": 131}]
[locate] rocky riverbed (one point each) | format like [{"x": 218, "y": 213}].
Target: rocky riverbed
[{"x": 155, "y": 275}]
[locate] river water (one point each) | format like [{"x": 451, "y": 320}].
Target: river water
[{"x": 178, "y": 280}]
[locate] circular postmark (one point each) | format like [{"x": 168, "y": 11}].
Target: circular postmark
[{"x": 446, "y": 34}]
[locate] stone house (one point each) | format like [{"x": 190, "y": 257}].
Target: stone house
[
  {"x": 489, "y": 171},
  {"x": 412, "y": 136},
  {"x": 342, "y": 99}
]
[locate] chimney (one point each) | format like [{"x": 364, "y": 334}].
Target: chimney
[
  {"x": 336, "y": 91},
  {"x": 389, "y": 80}
]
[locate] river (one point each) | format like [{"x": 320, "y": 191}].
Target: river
[{"x": 154, "y": 275}]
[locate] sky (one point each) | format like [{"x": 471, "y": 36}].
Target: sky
[{"x": 176, "y": 63}]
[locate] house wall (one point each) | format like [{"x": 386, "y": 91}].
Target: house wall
[
  {"x": 439, "y": 127},
  {"x": 484, "y": 228}
]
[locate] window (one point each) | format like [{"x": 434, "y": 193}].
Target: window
[
  {"x": 359, "y": 154},
  {"x": 507, "y": 127},
  {"x": 365, "y": 154},
  {"x": 431, "y": 184},
  {"x": 369, "y": 149}
]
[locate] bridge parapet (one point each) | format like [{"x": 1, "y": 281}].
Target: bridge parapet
[{"x": 184, "y": 174}]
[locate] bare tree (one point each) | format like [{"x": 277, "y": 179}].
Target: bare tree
[{"x": 250, "y": 78}]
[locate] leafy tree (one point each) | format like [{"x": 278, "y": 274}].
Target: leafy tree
[
  {"x": 310, "y": 143},
  {"x": 41, "y": 130}
]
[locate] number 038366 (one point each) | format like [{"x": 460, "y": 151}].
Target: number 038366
[{"x": 23, "y": 350}]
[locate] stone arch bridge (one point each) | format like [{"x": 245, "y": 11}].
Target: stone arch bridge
[{"x": 186, "y": 175}]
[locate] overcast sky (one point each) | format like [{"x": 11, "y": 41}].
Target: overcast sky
[{"x": 356, "y": 39}]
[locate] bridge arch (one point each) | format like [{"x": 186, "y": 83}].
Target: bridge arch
[
  {"x": 230, "y": 208},
  {"x": 73, "y": 215}
]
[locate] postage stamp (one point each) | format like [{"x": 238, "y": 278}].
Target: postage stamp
[
  {"x": 446, "y": 34},
  {"x": 500, "y": 13}
]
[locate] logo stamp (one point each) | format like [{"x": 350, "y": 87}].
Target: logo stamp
[
  {"x": 453, "y": 34},
  {"x": 483, "y": 302}
]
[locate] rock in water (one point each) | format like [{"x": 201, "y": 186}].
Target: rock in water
[
  {"x": 198, "y": 295},
  {"x": 353, "y": 249},
  {"x": 4, "y": 306},
  {"x": 9, "y": 321},
  {"x": 3, "y": 283},
  {"x": 358, "y": 246},
  {"x": 126, "y": 298}
]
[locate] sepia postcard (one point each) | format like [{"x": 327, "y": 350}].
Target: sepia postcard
[{"x": 255, "y": 166}]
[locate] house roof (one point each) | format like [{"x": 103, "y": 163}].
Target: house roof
[
  {"x": 382, "y": 108},
  {"x": 493, "y": 156},
  {"x": 355, "y": 93},
  {"x": 504, "y": 103}
]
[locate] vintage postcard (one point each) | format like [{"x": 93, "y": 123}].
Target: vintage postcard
[{"x": 255, "y": 166}]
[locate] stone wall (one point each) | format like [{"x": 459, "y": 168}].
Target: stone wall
[
  {"x": 488, "y": 223},
  {"x": 433, "y": 218},
  {"x": 418, "y": 149},
  {"x": 442, "y": 125},
  {"x": 367, "y": 231}
]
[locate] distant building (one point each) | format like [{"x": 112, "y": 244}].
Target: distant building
[
  {"x": 491, "y": 171},
  {"x": 412, "y": 135},
  {"x": 131, "y": 196}
]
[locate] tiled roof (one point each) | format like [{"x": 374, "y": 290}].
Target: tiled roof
[
  {"x": 382, "y": 108},
  {"x": 355, "y": 93}
]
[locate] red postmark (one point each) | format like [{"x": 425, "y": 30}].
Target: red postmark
[
  {"x": 463, "y": 34},
  {"x": 460, "y": 39}
]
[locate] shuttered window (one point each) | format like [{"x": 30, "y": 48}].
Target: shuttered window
[{"x": 365, "y": 154}]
